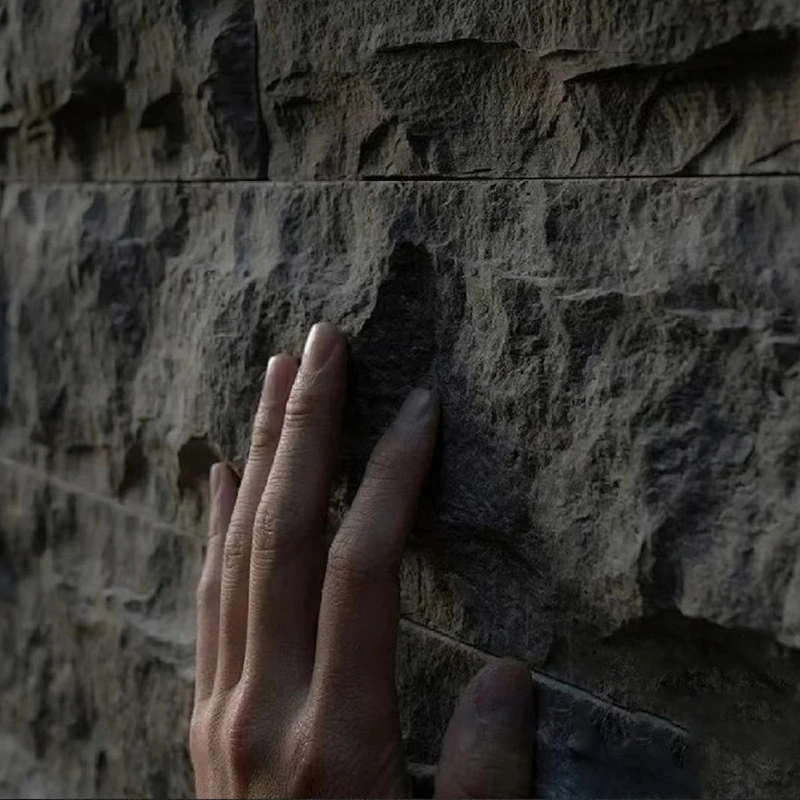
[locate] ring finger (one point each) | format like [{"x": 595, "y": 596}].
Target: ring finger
[{"x": 281, "y": 372}]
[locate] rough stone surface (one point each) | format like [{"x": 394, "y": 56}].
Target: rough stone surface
[
  {"x": 615, "y": 500},
  {"x": 327, "y": 89},
  {"x": 97, "y": 642},
  {"x": 133, "y": 89},
  {"x": 585, "y": 746},
  {"x": 606, "y": 297},
  {"x": 481, "y": 87}
]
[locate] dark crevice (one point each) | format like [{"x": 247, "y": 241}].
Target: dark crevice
[
  {"x": 100, "y": 771},
  {"x": 234, "y": 93},
  {"x": 264, "y": 144},
  {"x": 374, "y": 142},
  {"x": 292, "y": 76},
  {"x": 77, "y": 122},
  {"x": 98, "y": 93},
  {"x": 8, "y": 573},
  {"x": 776, "y": 151},
  {"x": 195, "y": 459},
  {"x": 4, "y": 350},
  {"x": 750, "y": 51},
  {"x": 166, "y": 113},
  {"x": 691, "y": 167},
  {"x": 192, "y": 11},
  {"x": 135, "y": 468},
  {"x": 457, "y": 45}
]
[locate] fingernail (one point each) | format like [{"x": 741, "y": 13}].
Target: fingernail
[
  {"x": 214, "y": 478},
  {"x": 504, "y": 698},
  {"x": 416, "y": 408},
  {"x": 321, "y": 342},
  {"x": 278, "y": 379}
]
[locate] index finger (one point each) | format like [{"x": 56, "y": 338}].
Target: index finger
[{"x": 287, "y": 560}]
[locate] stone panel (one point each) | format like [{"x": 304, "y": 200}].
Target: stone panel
[
  {"x": 98, "y": 633},
  {"x": 131, "y": 89},
  {"x": 556, "y": 88},
  {"x": 615, "y": 499}
]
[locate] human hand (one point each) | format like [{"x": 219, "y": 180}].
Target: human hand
[{"x": 295, "y": 692}]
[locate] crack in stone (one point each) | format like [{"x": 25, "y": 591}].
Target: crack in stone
[{"x": 544, "y": 678}]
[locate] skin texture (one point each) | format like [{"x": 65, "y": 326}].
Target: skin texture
[{"x": 295, "y": 692}]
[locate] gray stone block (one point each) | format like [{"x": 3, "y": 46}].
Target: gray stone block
[
  {"x": 614, "y": 501},
  {"x": 134, "y": 89},
  {"x": 327, "y": 90},
  {"x": 480, "y": 88},
  {"x": 585, "y": 746}
]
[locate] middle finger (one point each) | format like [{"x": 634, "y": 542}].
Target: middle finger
[{"x": 287, "y": 560}]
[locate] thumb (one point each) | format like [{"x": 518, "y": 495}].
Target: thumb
[{"x": 488, "y": 747}]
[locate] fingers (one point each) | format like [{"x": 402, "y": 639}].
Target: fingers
[
  {"x": 223, "y": 489},
  {"x": 360, "y": 606},
  {"x": 278, "y": 381},
  {"x": 288, "y": 551},
  {"x": 488, "y": 747}
]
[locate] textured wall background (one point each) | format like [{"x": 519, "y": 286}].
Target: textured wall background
[{"x": 579, "y": 221}]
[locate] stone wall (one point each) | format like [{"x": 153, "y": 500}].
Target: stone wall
[{"x": 579, "y": 222}]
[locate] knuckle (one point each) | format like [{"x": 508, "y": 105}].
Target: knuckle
[
  {"x": 266, "y": 434},
  {"x": 204, "y": 725},
  {"x": 198, "y": 734},
  {"x": 277, "y": 534},
  {"x": 385, "y": 461},
  {"x": 238, "y": 734},
  {"x": 390, "y": 467},
  {"x": 352, "y": 566},
  {"x": 305, "y": 406},
  {"x": 215, "y": 541},
  {"x": 236, "y": 553},
  {"x": 305, "y": 751},
  {"x": 209, "y": 719},
  {"x": 208, "y": 591}
]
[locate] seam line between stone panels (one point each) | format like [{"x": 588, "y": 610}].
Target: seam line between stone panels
[
  {"x": 542, "y": 677},
  {"x": 72, "y": 488},
  {"x": 131, "y": 512},
  {"x": 53, "y": 183}
]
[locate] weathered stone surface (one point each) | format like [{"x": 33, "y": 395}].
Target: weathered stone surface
[
  {"x": 585, "y": 746},
  {"x": 616, "y": 498},
  {"x": 129, "y": 89},
  {"x": 97, "y": 640},
  {"x": 100, "y": 667},
  {"x": 467, "y": 87},
  {"x": 327, "y": 90},
  {"x": 21, "y": 773}
]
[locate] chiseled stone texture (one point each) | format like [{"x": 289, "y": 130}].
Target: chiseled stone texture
[
  {"x": 550, "y": 88},
  {"x": 97, "y": 641},
  {"x": 133, "y": 89},
  {"x": 615, "y": 499},
  {"x": 329, "y": 89}
]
